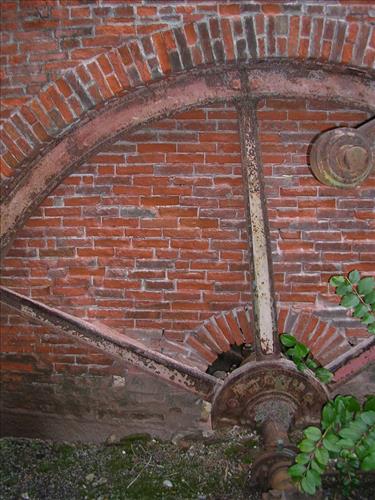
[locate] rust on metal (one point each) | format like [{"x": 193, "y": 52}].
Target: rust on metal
[
  {"x": 272, "y": 395},
  {"x": 110, "y": 341},
  {"x": 264, "y": 310},
  {"x": 344, "y": 157},
  {"x": 248, "y": 395}
]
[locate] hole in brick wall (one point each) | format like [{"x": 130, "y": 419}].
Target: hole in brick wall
[{"x": 228, "y": 361}]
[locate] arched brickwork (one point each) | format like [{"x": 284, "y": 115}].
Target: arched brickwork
[
  {"x": 57, "y": 129},
  {"x": 326, "y": 340},
  {"x": 91, "y": 85}
]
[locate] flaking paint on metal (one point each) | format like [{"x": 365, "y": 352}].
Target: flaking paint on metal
[{"x": 261, "y": 271}]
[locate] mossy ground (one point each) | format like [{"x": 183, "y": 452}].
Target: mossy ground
[
  {"x": 214, "y": 468},
  {"x": 134, "y": 468}
]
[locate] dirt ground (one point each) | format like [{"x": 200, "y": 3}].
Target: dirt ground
[{"x": 212, "y": 467}]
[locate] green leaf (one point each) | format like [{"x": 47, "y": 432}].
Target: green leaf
[
  {"x": 301, "y": 350},
  {"x": 329, "y": 443},
  {"x": 344, "y": 289},
  {"x": 349, "y": 300},
  {"x": 324, "y": 375},
  {"x": 288, "y": 340},
  {"x": 328, "y": 414},
  {"x": 292, "y": 354},
  {"x": 368, "y": 417},
  {"x": 317, "y": 467},
  {"x": 369, "y": 403},
  {"x": 362, "y": 451},
  {"x": 313, "y": 433},
  {"x": 308, "y": 484},
  {"x": 350, "y": 433},
  {"x": 370, "y": 297},
  {"x": 368, "y": 319},
  {"x": 351, "y": 403},
  {"x": 306, "y": 445},
  {"x": 322, "y": 456},
  {"x": 345, "y": 443},
  {"x": 301, "y": 366},
  {"x": 316, "y": 471},
  {"x": 354, "y": 276},
  {"x": 358, "y": 426},
  {"x": 337, "y": 280},
  {"x": 340, "y": 407},
  {"x": 366, "y": 285},
  {"x": 360, "y": 310},
  {"x": 371, "y": 328},
  {"x": 297, "y": 470},
  {"x": 310, "y": 363},
  {"x": 344, "y": 453},
  {"x": 302, "y": 458},
  {"x": 368, "y": 463}
]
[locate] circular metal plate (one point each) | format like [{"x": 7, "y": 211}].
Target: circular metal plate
[
  {"x": 268, "y": 386},
  {"x": 342, "y": 158}
]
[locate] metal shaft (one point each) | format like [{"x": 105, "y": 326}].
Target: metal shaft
[
  {"x": 264, "y": 310},
  {"x": 368, "y": 129}
]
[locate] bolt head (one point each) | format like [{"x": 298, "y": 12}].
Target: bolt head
[{"x": 355, "y": 156}]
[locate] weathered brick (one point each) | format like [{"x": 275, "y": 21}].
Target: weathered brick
[
  {"x": 96, "y": 241},
  {"x": 205, "y": 42}
]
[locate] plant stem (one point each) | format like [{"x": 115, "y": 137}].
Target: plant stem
[{"x": 354, "y": 289}]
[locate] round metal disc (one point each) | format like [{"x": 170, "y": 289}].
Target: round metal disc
[{"x": 342, "y": 158}]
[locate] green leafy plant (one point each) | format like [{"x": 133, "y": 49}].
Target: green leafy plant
[
  {"x": 302, "y": 358},
  {"x": 346, "y": 441},
  {"x": 357, "y": 294},
  {"x": 346, "y": 437}
]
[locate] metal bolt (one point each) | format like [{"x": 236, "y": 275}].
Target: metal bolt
[{"x": 355, "y": 156}]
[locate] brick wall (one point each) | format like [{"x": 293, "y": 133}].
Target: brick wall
[
  {"x": 42, "y": 38},
  {"x": 149, "y": 235}
]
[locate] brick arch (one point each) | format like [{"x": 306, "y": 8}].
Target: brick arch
[
  {"x": 326, "y": 340},
  {"x": 93, "y": 84},
  {"x": 219, "y": 333},
  {"x": 200, "y": 62}
]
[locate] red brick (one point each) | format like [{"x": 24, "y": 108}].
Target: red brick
[
  {"x": 229, "y": 10},
  {"x": 139, "y": 61},
  {"x": 161, "y": 49},
  {"x": 271, "y": 8},
  {"x": 191, "y": 35},
  {"x": 146, "y": 11},
  {"x": 93, "y": 68}
]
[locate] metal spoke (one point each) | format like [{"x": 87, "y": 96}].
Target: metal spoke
[
  {"x": 264, "y": 310},
  {"x": 115, "y": 344}
]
